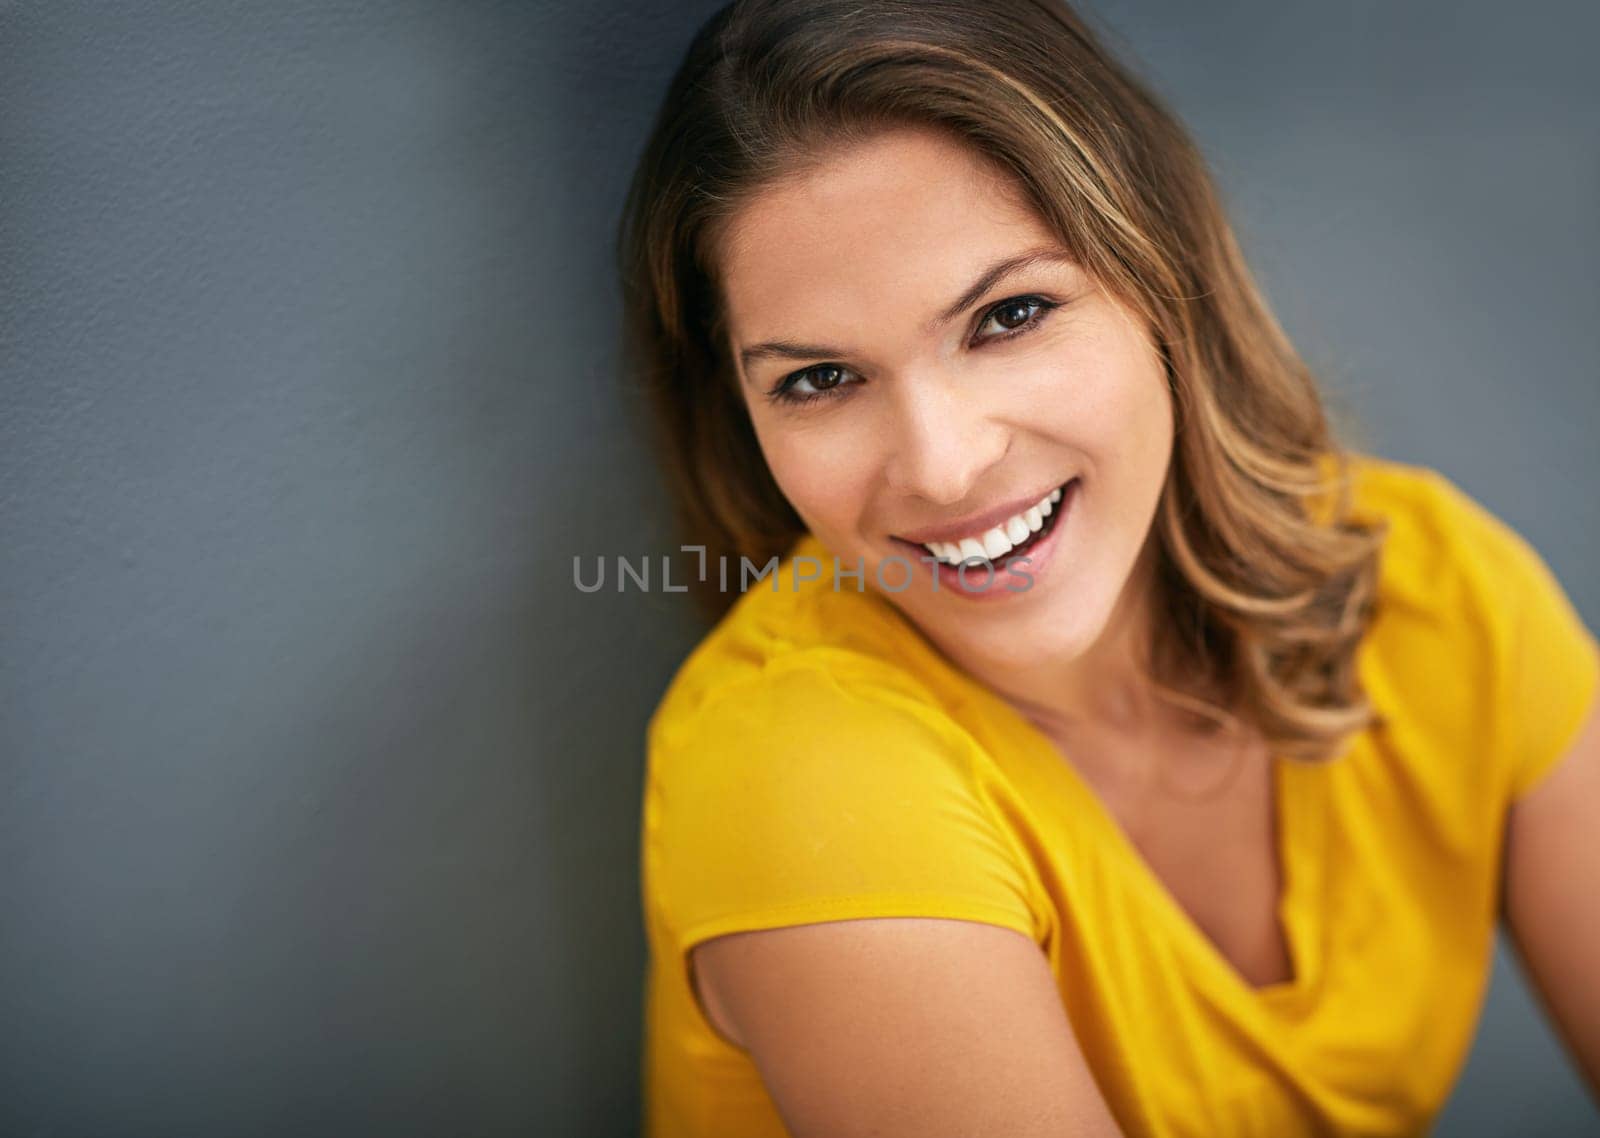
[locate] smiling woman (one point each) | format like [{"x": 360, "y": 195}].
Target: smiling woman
[{"x": 941, "y": 284}]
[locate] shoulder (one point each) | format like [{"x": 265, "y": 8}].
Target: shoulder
[
  {"x": 1428, "y": 514},
  {"x": 1443, "y": 548},
  {"x": 1475, "y": 640},
  {"x": 818, "y": 781},
  {"x": 807, "y": 695},
  {"x": 844, "y": 722},
  {"x": 799, "y": 638}
]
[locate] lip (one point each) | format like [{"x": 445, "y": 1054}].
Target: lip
[
  {"x": 978, "y": 524},
  {"x": 987, "y": 587}
]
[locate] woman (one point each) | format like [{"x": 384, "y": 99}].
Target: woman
[{"x": 1112, "y": 752}]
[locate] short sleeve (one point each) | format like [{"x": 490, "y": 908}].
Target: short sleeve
[
  {"x": 807, "y": 793},
  {"x": 1552, "y": 660}
]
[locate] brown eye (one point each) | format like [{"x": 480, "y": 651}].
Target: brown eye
[
  {"x": 818, "y": 382},
  {"x": 1016, "y": 317},
  {"x": 826, "y": 376},
  {"x": 1014, "y": 313}
]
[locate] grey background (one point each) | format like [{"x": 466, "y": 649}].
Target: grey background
[{"x": 318, "y": 780}]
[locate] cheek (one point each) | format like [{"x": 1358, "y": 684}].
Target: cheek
[
  {"x": 1105, "y": 397},
  {"x": 824, "y": 478}
]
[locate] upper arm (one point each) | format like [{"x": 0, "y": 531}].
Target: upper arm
[
  {"x": 1552, "y": 896},
  {"x": 823, "y": 853},
  {"x": 904, "y": 1026}
]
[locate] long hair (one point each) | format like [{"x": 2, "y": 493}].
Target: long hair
[{"x": 1266, "y": 583}]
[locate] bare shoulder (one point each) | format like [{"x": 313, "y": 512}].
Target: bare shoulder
[{"x": 902, "y": 1026}]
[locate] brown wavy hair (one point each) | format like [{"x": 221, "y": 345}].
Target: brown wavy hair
[{"x": 1266, "y": 582}]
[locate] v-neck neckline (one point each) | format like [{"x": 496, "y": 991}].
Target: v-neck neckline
[
  {"x": 1300, "y": 793},
  {"x": 1298, "y": 843}
]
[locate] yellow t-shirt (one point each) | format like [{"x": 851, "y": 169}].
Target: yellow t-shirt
[{"x": 815, "y": 759}]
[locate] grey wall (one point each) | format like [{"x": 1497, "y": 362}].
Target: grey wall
[{"x": 318, "y": 781}]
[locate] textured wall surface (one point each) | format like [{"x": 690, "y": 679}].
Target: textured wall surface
[{"x": 318, "y": 780}]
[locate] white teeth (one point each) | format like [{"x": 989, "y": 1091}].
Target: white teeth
[{"x": 1002, "y": 539}]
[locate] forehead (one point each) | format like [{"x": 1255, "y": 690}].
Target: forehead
[{"x": 897, "y": 224}]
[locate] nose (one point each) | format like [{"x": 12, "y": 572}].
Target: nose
[{"x": 942, "y": 442}]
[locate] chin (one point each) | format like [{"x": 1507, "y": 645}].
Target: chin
[{"x": 1058, "y": 632}]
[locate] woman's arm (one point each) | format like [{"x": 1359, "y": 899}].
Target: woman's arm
[
  {"x": 903, "y": 1026},
  {"x": 1552, "y": 897}
]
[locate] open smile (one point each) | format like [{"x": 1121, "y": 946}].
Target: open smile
[{"x": 968, "y": 565}]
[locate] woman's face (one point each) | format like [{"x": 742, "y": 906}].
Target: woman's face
[{"x": 925, "y": 422}]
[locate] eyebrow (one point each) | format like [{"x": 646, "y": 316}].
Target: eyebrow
[{"x": 789, "y": 350}]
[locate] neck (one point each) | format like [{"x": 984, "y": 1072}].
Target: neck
[{"x": 1106, "y": 689}]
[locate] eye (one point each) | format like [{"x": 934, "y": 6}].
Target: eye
[
  {"x": 820, "y": 381},
  {"x": 1011, "y": 323}
]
